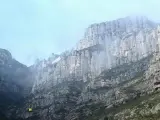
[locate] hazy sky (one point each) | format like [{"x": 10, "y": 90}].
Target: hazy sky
[{"x": 32, "y": 29}]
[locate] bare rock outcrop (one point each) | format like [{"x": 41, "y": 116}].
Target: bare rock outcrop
[{"x": 109, "y": 66}]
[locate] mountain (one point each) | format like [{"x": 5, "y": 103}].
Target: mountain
[
  {"x": 15, "y": 82},
  {"x": 109, "y": 75}
]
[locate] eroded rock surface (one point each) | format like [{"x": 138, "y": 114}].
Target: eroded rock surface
[{"x": 114, "y": 64}]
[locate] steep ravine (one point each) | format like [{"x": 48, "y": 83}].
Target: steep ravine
[{"x": 107, "y": 76}]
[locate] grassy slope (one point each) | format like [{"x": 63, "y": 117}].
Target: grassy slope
[{"x": 144, "y": 108}]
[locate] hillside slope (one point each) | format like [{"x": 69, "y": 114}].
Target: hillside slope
[
  {"x": 15, "y": 82},
  {"x": 110, "y": 74},
  {"x": 110, "y": 66}
]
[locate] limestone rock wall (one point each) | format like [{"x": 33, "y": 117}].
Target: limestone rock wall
[
  {"x": 111, "y": 64},
  {"x": 104, "y": 46}
]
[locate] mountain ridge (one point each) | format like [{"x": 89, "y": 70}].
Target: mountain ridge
[
  {"x": 115, "y": 62},
  {"x": 73, "y": 81}
]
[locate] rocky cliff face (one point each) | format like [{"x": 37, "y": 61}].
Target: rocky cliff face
[
  {"x": 104, "y": 46},
  {"x": 15, "y": 82},
  {"x": 113, "y": 64},
  {"x": 110, "y": 66}
]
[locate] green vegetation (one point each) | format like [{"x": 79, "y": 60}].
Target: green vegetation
[{"x": 144, "y": 103}]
